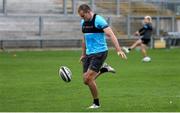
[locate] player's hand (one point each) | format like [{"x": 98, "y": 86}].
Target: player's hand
[
  {"x": 122, "y": 54},
  {"x": 81, "y": 58},
  {"x": 136, "y": 33}
]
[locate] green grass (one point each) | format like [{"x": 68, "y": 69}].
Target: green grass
[{"x": 29, "y": 82}]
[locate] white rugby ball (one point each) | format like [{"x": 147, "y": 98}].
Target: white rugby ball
[
  {"x": 65, "y": 73},
  {"x": 146, "y": 59}
]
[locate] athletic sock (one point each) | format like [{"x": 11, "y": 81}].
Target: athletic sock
[{"x": 96, "y": 101}]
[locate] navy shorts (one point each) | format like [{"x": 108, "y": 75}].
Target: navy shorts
[
  {"x": 94, "y": 61},
  {"x": 145, "y": 41}
]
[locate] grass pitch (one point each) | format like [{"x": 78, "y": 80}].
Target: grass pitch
[{"x": 29, "y": 82}]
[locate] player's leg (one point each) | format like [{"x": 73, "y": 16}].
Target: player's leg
[
  {"x": 137, "y": 43},
  {"x": 104, "y": 69},
  {"x": 143, "y": 50},
  {"x": 134, "y": 45},
  {"x": 89, "y": 79},
  {"x": 96, "y": 62}
]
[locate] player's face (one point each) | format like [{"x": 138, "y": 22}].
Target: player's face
[
  {"x": 146, "y": 20},
  {"x": 86, "y": 16}
]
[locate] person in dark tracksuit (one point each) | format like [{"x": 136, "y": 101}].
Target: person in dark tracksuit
[
  {"x": 145, "y": 33},
  {"x": 94, "y": 48}
]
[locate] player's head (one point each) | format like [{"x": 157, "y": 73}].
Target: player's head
[
  {"x": 147, "y": 19},
  {"x": 84, "y": 12}
]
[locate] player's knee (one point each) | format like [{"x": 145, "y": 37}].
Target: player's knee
[
  {"x": 139, "y": 41},
  {"x": 85, "y": 82},
  {"x": 87, "y": 79}
]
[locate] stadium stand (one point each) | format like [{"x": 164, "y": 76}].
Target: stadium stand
[
  {"x": 34, "y": 6},
  {"x": 46, "y": 20}
]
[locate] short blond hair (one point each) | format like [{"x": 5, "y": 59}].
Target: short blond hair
[{"x": 149, "y": 18}]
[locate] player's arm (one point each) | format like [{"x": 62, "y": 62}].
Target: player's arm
[
  {"x": 102, "y": 24},
  {"x": 83, "y": 50},
  {"x": 83, "y": 47},
  {"x": 144, "y": 29},
  {"x": 108, "y": 31},
  {"x": 138, "y": 33}
]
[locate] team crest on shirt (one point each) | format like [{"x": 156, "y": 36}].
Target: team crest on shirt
[{"x": 88, "y": 27}]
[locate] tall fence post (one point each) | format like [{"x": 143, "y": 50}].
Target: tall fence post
[
  {"x": 65, "y": 7},
  {"x": 74, "y": 7},
  {"x": 41, "y": 25},
  {"x": 118, "y": 7},
  {"x": 2, "y": 44},
  {"x": 129, "y": 7},
  {"x": 129, "y": 19},
  {"x": 129, "y": 26},
  {"x": 109, "y": 21},
  {"x": 152, "y": 42},
  {"x": 92, "y": 5},
  {"x": 173, "y": 24},
  {"x": 157, "y": 27},
  {"x": 5, "y": 7}
]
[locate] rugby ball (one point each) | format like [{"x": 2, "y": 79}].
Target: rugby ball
[
  {"x": 65, "y": 73},
  {"x": 146, "y": 59}
]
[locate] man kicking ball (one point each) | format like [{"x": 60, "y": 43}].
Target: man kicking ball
[{"x": 94, "y": 49}]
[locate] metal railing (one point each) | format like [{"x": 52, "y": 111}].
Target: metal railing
[{"x": 40, "y": 26}]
